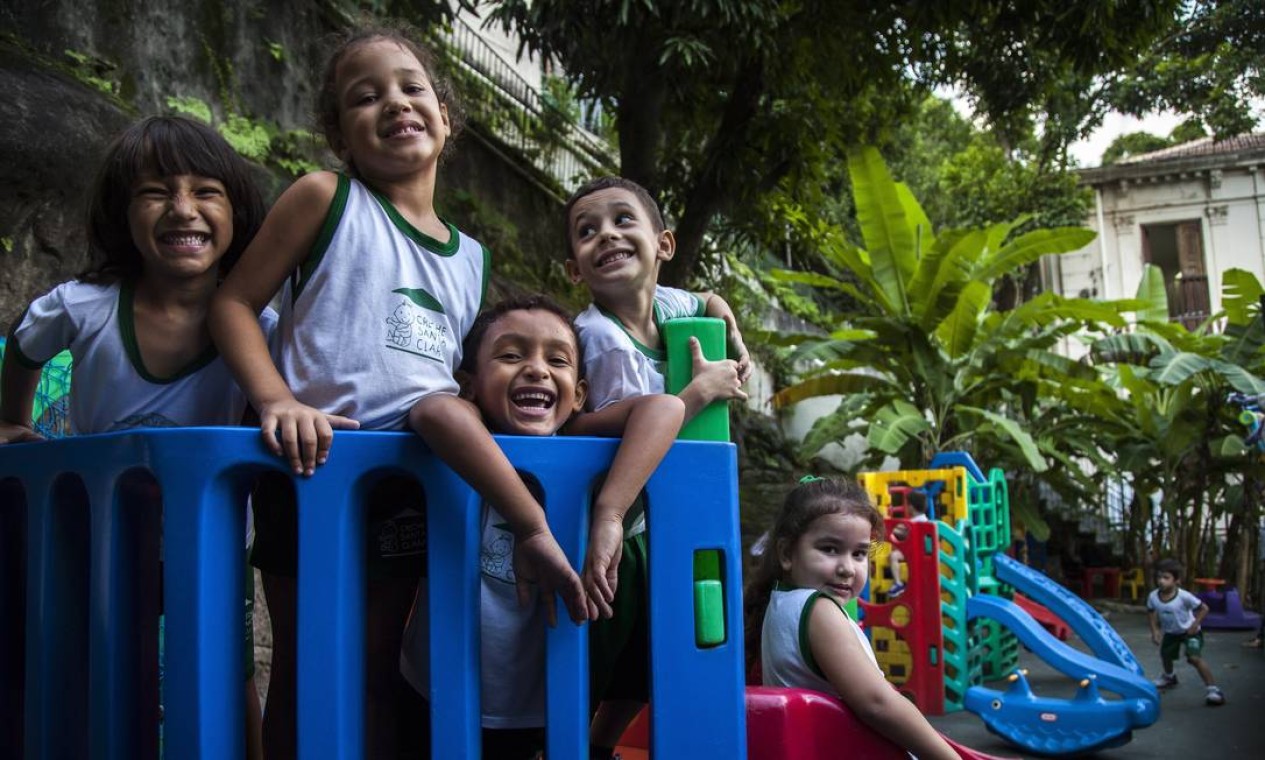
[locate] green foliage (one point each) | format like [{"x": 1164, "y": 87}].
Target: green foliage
[
  {"x": 1209, "y": 63},
  {"x": 247, "y": 137},
  {"x": 925, "y": 363},
  {"x": 94, "y": 72},
  {"x": 1132, "y": 144},
  {"x": 1165, "y": 415},
  {"x": 277, "y": 51},
  {"x": 188, "y": 106}
]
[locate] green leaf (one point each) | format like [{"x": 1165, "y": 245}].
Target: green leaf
[
  {"x": 421, "y": 298},
  {"x": 957, "y": 332},
  {"x": 1238, "y": 378},
  {"x": 889, "y": 238},
  {"x": 1017, "y": 434},
  {"x": 1240, "y": 295},
  {"x": 894, "y": 424},
  {"x": 1031, "y": 246},
  {"x": 1177, "y": 367},
  {"x": 1152, "y": 292},
  {"x": 1231, "y": 446},
  {"x": 827, "y": 385}
]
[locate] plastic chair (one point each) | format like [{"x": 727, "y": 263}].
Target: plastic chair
[{"x": 1132, "y": 583}]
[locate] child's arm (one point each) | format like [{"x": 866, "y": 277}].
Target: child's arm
[
  {"x": 284, "y": 240},
  {"x": 1201, "y": 612},
  {"x": 451, "y": 426},
  {"x": 715, "y": 306},
  {"x": 1154, "y": 621},
  {"x": 861, "y": 685},
  {"x": 17, "y": 400},
  {"x": 712, "y": 381},
  {"x": 649, "y": 425}
]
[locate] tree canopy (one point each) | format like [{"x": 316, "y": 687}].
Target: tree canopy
[{"x": 720, "y": 101}]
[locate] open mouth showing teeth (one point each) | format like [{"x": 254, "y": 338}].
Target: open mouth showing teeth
[
  {"x": 185, "y": 238},
  {"x": 612, "y": 257},
  {"x": 404, "y": 129},
  {"x": 533, "y": 400}
]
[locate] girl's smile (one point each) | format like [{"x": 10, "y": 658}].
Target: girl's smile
[
  {"x": 390, "y": 123},
  {"x": 181, "y": 225}
]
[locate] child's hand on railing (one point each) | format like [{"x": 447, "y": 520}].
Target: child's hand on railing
[
  {"x": 11, "y": 433},
  {"x": 540, "y": 562},
  {"x": 300, "y": 434},
  {"x": 601, "y": 566}
]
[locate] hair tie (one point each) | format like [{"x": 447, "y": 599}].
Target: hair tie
[{"x": 809, "y": 479}]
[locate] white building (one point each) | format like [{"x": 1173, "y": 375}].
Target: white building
[{"x": 1194, "y": 210}]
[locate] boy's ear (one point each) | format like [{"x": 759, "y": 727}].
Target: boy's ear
[
  {"x": 581, "y": 395},
  {"x": 667, "y": 246},
  {"x": 443, "y": 111},
  {"x": 573, "y": 271}
]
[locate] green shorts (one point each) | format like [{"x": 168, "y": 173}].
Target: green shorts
[
  {"x": 619, "y": 646},
  {"x": 1171, "y": 645},
  {"x": 395, "y": 531}
]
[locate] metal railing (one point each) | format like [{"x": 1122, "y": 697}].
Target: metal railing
[{"x": 519, "y": 115}]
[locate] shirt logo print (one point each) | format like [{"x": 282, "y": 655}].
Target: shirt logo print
[{"x": 411, "y": 329}]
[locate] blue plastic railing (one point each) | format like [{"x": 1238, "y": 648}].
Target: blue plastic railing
[{"x": 74, "y": 695}]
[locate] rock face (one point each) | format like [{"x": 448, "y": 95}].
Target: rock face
[{"x": 77, "y": 73}]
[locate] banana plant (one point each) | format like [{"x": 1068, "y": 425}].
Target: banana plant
[
  {"x": 927, "y": 363},
  {"x": 1168, "y": 422}
]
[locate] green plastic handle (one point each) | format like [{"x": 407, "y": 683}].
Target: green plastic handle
[
  {"x": 712, "y": 423},
  {"x": 709, "y": 613}
]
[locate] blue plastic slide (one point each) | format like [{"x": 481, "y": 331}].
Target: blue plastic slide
[
  {"x": 1047, "y": 726},
  {"x": 1093, "y": 629}
]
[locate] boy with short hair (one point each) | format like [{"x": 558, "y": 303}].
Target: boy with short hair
[
  {"x": 1179, "y": 614},
  {"x": 521, "y": 368},
  {"x": 616, "y": 243}
]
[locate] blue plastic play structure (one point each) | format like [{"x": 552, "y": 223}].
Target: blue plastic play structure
[
  {"x": 67, "y": 650},
  {"x": 1048, "y": 726}
]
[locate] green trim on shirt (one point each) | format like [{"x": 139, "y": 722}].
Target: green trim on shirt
[
  {"x": 701, "y": 311},
  {"x": 127, "y": 331},
  {"x": 805, "y": 644},
  {"x": 416, "y": 235},
  {"x": 657, "y": 355},
  {"x": 333, "y": 216}
]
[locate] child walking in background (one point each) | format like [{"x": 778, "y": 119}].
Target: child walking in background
[
  {"x": 816, "y": 560},
  {"x": 171, "y": 210},
  {"x": 522, "y": 368},
  {"x": 616, "y": 243},
  {"x": 379, "y": 294},
  {"x": 1179, "y": 615}
]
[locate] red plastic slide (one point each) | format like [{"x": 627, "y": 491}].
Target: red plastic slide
[{"x": 797, "y": 724}]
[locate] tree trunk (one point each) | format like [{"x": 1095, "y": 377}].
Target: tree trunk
[
  {"x": 711, "y": 191},
  {"x": 640, "y": 114}
]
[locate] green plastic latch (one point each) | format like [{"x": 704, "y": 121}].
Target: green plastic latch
[{"x": 709, "y": 599}]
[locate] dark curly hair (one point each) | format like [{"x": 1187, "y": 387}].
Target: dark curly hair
[{"x": 163, "y": 146}]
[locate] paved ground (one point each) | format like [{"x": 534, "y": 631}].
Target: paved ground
[{"x": 1186, "y": 728}]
